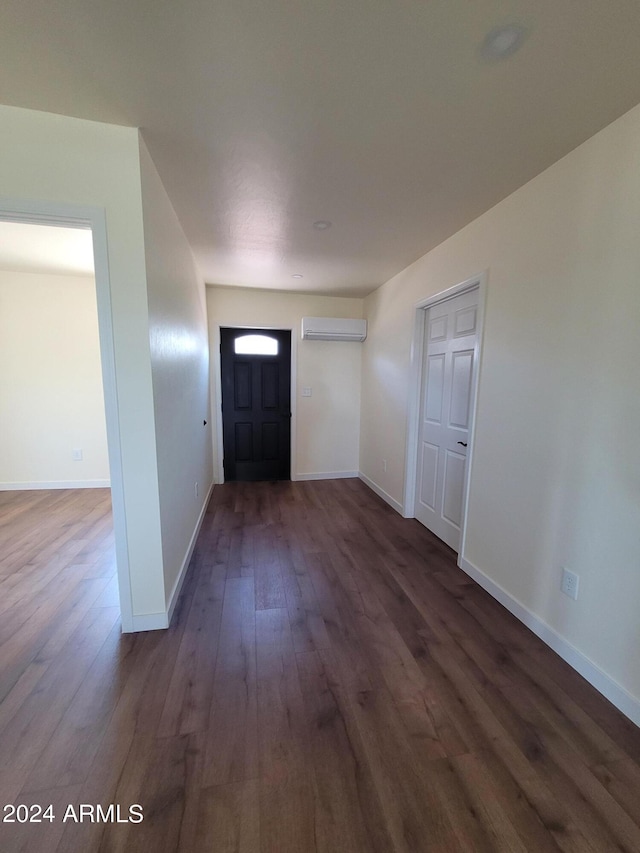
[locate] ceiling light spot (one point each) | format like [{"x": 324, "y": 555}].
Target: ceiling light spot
[
  {"x": 502, "y": 42},
  {"x": 297, "y": 275},
  {"x": 322, "y": 224}
]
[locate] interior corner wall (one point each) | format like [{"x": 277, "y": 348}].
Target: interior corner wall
[
  {"x": 51, "y": 397},
  {"x": 327, "y": 424},
  {"x": 52, "y": 159},
  {"x": 555, "y": 478},
  {"x": 180, "y": 369}
]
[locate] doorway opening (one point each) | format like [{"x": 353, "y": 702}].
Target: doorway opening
[
  {"x": 445, "y": 366},
  {"x": 69, "y": 415},
  {"x": 255, "y": 370}
]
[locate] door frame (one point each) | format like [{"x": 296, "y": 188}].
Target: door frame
[
  {"x": 217, "y": 392},
  {"x": 478, "y": 282},
  {"x": 94, "y": 218}
]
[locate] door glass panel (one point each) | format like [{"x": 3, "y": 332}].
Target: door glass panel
[{"x": 255, "y": 345}]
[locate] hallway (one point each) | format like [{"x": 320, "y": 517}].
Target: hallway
[{"x": 331, "y": 681}]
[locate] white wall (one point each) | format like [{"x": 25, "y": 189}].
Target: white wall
[
  {"x": 180, "y": 369},
  {"x": 50, "y": 159},
  {"x": 51, "y": 397},
  {"x": 556, "y": 467},
  {"x": 327, "y": 424}
]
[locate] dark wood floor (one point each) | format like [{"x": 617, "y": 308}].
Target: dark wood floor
[{"x": 331, "y": 681}]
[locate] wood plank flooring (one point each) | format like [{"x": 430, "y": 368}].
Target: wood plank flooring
[{"x": 330, "y": 682}]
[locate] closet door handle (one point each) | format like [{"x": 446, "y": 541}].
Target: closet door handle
[{"x": 463, "y": 443}]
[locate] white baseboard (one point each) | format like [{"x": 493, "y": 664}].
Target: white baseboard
[
  {"x": 55, "y": 484},
  {"x": 326, "y": 475},
  {"x": 149, "y": 622},
  {"x": 381, "y": 492},
  {"x": 158, "y": 621},
  {"x": 177, "y": 587},
  {"x": 614, "y": 692}
]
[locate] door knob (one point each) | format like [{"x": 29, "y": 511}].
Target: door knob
[{"x": 463, "y": 443}]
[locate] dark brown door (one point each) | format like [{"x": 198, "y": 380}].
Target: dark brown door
[{"x": 256, "y": 403}]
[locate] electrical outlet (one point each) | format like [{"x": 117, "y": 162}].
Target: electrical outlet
[
  {"x": 76, "y": 454},
  {"x": 306, "y": 391},
  {"x": 384, "y": 464},
  {"x": 569, "y": 584},
  {"x": 196, "y": 490}
]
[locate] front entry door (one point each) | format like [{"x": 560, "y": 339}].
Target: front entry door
[
  {"x": 256, "y": 403},
  {"x": 448, "y": 372}
]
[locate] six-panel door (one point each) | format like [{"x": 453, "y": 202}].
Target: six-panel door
[{"x": 447, "y": 382}]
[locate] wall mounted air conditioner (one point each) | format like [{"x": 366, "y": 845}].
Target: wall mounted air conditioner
[{"x": 333, "y": 329}]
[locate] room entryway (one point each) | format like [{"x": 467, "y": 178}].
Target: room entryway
[
  {"x": 56, "y": 519},
  {"x": 256, "y": 403}
]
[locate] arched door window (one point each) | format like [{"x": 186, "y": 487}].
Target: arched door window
[{"x": 255, "y": 345}]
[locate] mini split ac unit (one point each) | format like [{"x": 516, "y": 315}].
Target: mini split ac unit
[{"x": 333, "y": 329}]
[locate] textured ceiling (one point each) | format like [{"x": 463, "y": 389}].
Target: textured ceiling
[{"x": 381, "y": 116}]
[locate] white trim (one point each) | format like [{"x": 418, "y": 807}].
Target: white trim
[
  {"x": 86, "y": 216},
  {"x": 55, "y": 484},
  {"x": 623, "y": 700},
  {"x": 413, "y": 408},
  {"x": 217, "y": 392},
  {"x": 216, "y": 375},
  {"x": 149, "y": 622},
  {"x": 415, "y": 389},
  {"x": 177, "y": 587},
  {"x": 160, "y": 621},
  {"x": 381, "y": 492},
  {"x": 327, "y": 475},
  {"x": 482, "y": 299}
]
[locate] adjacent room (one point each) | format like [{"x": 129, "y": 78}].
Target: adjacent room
[
  {"x": 58, "y": 556},
  {"x": 319, "y": 472}
]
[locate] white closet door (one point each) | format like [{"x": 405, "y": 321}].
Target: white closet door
[{"x": 450, "y": 350}]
